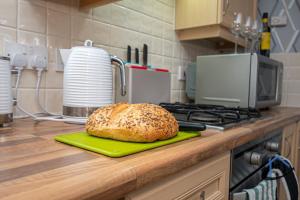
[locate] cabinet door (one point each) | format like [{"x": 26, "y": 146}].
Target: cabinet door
[
  {"x": 288, "y": 148},
  {"x": 297, "y": 154},
  {"x": 230, "y": 7},
  {"x": 196, "y": 13},
  {"x": 208, "y": 180}
]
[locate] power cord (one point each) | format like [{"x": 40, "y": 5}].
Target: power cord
[{"x": 19, "y": 62}]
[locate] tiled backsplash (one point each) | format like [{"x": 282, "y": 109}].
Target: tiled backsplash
[
  {"x": 291, "y": 78},
  {"x": 59, "y": 24}
]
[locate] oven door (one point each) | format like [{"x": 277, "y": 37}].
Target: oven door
[
  {"x": 248, "y": 162},
  {"x": 265, "y": 82}
]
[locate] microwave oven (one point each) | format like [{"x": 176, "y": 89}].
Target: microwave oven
[{"x": 239, "y": 80}]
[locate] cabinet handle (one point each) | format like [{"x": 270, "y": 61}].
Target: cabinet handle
[
  {"x": 289, "y": 147},
  {"x": 202, "y": 195},
  {"x": 226, "y": 6}
]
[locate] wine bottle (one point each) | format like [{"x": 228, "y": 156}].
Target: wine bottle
[{"x": 265, "y": 45}]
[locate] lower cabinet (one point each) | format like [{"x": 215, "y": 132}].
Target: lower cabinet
[
  {"x": 208, "y": 180},
  {"x": 290, "y": 148},
  {"x": 288, "y": 145}
]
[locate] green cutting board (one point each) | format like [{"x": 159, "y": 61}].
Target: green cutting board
[{"x": 115, "y": 148}]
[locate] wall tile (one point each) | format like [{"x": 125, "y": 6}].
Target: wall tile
[
  {"x": 157, "y": 28},
  {"x": 31, "y": 38},
  {"x": 6, "y": 34},
  {"x": 103, "y": 13},
  {"x": 26, "y": 99},
  {"x": 293, "y": 73},
  {"x": 157, "y": 45},
  {"x": 37, "y": 2},
  {"x": 175, "y": 96},
  {"x": 29, "y": 79},
  {"x": 168, "y": 14},
  {"x": 32, "y": 17},
  {"x": 60, "y": 5},
  {"x": 293, "y": 59},
  {"x": 156, "y": 61},
  {"x": 146, "y": 24},
  {"x": 54, "y": 100},
  {"x": 132, "y": 4},
  {"x": 147, "y": 7},
  {"x": 101, "y": 33},
  {"x": 119, "y": 15},
  {"x": 168, "y": 32},
  {"x": 293, "y": 86},
  {"x": 59, "y": 23},
  {"x": 8, "y": 13},
  {"x": 293, "y": 100},
  {"x": 54, "y": 44},
  {"x": 86, "y": 12},
  {"x": 168, "y": 63},
  {"x": 81, "y": 28},
  {"x": 53, "y": 79},
  {"x": 284, "y": 99},
  {"x": 158, "y": 9},
  {"x": 167, "y": 48}
]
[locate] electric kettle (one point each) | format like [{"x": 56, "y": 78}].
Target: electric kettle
[
  {"x": 88, "y": 80},
  {"x": 6, "y": 107}
]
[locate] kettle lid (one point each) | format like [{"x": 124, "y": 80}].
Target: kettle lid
[{"x": 88, "y": 46}]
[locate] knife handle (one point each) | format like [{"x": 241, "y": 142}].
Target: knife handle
[
  {"x": 145, "y": 55},
  {"x": 137, "y": 59},
  {"x": 129, "y": 54},
  {"x": 191, "y": 126}
]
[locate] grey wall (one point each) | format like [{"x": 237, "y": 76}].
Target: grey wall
[{"x": 286, "y": 38}]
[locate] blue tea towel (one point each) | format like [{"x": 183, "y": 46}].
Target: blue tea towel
[{"x": 265, "y": 190}]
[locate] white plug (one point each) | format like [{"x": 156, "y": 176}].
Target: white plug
[
  {"x": 19, "y": 61},
  {"x": 39, "y": 62}
]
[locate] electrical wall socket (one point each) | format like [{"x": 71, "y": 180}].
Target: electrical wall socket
[
  {"x": 278, "y": 21},
  {"x": 31, "y": 52},
  {"x": 181, "y": 73}
]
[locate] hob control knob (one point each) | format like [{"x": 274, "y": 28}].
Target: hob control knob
[
  {"x": 253, "y": 158},
  {"x": 272, "y": 146}
]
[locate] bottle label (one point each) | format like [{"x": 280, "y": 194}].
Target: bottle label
[{"x": 265, "y": 41}]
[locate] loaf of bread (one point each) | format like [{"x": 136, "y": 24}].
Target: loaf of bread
[{"x": 132, "y": 122}]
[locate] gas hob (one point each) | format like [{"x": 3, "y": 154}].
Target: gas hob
[{"x": 211, "y": 116}]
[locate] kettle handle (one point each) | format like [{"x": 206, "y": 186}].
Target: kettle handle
[{"x": 121, "y": 65}]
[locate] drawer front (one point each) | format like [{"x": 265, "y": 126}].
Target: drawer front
[
  {"x": 208, "y": 190},
  {"x": 207, "y": 180}
]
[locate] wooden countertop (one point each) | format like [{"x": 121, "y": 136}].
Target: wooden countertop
[{"x": 34, "y": 166}]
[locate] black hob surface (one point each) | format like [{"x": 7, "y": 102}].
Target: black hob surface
[{"x": 212, "y": 116}]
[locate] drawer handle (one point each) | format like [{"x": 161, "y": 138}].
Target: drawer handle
[
  {"x": 289, "y": 147},
  {"x": 202, "y": 195}
]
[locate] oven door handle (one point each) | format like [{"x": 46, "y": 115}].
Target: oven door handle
[{"x": 240, "y": 196}]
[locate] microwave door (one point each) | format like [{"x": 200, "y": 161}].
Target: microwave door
[
  {"x": 268, "y": 78},
  {"x": 267, "y": 82}
]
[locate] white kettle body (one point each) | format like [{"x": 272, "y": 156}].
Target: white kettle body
[
  {"x": 88, "y": 80},
  {"x": 6, "y": 107}
]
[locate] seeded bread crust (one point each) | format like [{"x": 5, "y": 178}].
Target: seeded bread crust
[{"x": 132, "y": 122}]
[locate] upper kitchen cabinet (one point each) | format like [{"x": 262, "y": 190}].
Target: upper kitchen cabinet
[
  {"x": 94, "y": 3},
  {"x": 211, "y": 19}
]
